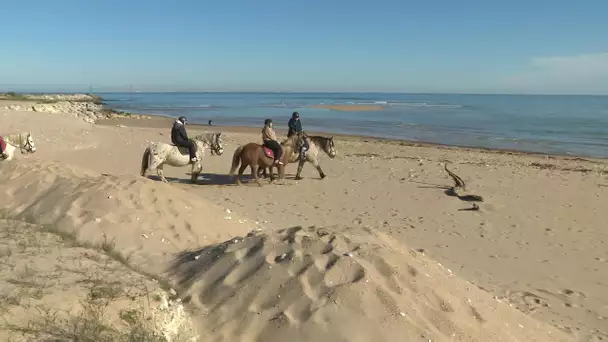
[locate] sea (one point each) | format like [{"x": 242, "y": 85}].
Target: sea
[{"x": 551, "y": 124}]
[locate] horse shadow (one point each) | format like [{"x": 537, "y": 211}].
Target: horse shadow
[
  {"x": 215, "y": 179},
  {"x": 170, "y": 179}
]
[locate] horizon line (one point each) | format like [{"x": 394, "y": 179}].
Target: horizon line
[{"x": 302, "y": 92}]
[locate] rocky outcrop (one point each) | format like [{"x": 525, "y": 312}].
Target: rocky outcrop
[
  {"x": 64, "y": 97},
  {"x": 88, "y": 111},
  {"x": 81, "y": 106}
]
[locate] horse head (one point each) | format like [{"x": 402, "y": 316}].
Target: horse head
[
  {"x": 330, "y": 148},
  {"x": 217, "y": 145},
  {"x": 326, "y": 144},
  {"x": 214, "y": 141},
  {"x": 24, "y": 141}
]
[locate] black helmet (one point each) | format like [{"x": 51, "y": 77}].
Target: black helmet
[
  {"x": 183, "y": 119},
  {"x": 295, "y": 115},
  {"x": 267, "y": 122}
]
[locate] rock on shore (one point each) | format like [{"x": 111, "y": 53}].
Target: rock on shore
[{"x": 86, "y": 107}]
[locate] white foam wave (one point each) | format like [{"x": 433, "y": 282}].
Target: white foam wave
[{"x": 422, "y": 104}]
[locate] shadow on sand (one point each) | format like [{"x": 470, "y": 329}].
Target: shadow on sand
[{"x": 217, "y": 179}]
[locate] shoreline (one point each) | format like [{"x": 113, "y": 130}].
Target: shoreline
[
  {"x": 158, "y": 121},
  {"x": 109, "y": 115}
]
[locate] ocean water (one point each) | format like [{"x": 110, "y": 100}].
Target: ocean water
[{"x": 576, "y": 125}]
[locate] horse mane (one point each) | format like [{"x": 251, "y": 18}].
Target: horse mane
[
  {"x": 320, "y": 141},
  {"x": 14, "y": 138},
  {"x": 207, "y": 137}
]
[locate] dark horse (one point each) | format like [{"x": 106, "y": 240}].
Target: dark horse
[
  {"x": 316, "y": 144},
  {"x": 255, "y": 156}
]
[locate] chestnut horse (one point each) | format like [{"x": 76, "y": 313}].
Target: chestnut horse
[{"x": 255, "y": 156}]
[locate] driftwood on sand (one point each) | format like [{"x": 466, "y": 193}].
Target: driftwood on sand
[{"x": 460, "y": 185}]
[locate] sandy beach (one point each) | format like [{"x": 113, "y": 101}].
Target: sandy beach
[{"x": 381, "y": 253}]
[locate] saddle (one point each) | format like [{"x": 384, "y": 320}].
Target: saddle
[
  {"x": 2, "y": 145},
  {"x": 268, "y": 152},
  {"x": 183, "y": 150}
]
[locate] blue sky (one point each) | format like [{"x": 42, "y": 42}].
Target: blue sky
[{"x": 384, "y": 45}]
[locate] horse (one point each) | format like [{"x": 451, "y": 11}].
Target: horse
[
  {"x": 255, "y": 155},
  {"x": 316, "y": 143},
  {"x": 11, "y": 142},
  {"x": 158, "y": 154}
]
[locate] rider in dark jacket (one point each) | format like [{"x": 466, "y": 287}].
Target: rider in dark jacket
[
  {"x": 295, "y": 127},
  {"x": 179, "y": 137}
]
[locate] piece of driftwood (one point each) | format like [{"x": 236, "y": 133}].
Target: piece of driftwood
[{"x": 459, "y": 185}]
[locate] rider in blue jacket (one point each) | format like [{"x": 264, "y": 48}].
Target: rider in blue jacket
[{"x": 295, "y": 127}]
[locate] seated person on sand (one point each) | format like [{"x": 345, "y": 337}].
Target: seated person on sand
[
  {"x": 179, "y": 137},
  {"x": 295, "y": 127},
  {"x": 270, "y": 140}
]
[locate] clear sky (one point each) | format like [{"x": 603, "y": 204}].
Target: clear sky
[{"x": 481, "y": 46}]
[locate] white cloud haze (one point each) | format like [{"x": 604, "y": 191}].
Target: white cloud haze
[{"x": 581, "y": 74}]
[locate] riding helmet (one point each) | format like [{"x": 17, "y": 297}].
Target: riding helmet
[
  {"x": 183, "y": 119},
  {"x": 296, "y": 115},
  {"x": 267, "y": 122}
]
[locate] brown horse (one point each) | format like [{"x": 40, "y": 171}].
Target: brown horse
[{"x": 256, "y": 156}]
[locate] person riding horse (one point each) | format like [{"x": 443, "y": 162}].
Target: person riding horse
[
  {"x": 270, "y": 140},
  {"x": 179, "y": 137},
  {"x": 295, "y": 127}
]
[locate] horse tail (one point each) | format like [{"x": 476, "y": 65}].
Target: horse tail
[
  {"x": 236, "y": 160},
  {"x": 145, "y": 161}
]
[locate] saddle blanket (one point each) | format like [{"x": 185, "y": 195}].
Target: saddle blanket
[
  {"x": 268, "y": 152},
  {"x": 2, "y": 145}
]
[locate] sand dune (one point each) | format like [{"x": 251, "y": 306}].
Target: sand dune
[
  {"x": 145, "y": 219},
  {"x": 339, "y": 285}
]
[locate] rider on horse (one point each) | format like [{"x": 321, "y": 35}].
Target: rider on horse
[
  {"x": 270, "y": 140},
  {"x": 179, "y": 137},
  {"x": 3, "y": 154},
  {"x": 295, "y": 127}
]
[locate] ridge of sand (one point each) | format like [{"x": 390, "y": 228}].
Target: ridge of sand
[
  {"x": 333, "y": 284},
  {"x": 146, "y": 220}
]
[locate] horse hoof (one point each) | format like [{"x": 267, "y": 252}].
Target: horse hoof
[
  {"x": 298, "y": 178},
  {"x": 323, "y": 176}
]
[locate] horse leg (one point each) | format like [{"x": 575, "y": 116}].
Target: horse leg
[
  {"x": 159, "y": 172},
  {"x": 197, "y": 168},
  {"x": 271, "y": 173},
  {"x": 238, "y": 176},
  {"x": 254, "y": 173},
  {"x": 315, "y": 163},
  {"x": 262, "y": 172},
  {"x": 300, "y": 167}
]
